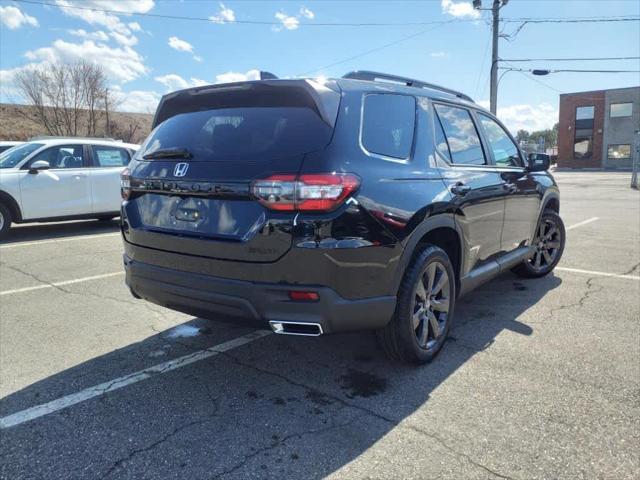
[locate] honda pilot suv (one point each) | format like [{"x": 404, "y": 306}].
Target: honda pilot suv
[{"x": 366, "y": 202}]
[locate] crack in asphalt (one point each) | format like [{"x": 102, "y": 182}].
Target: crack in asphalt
[
  {"x": 585, "y": 296},
  {"x": 632, "y": 269},
  {"x": 33, "y": 276},
  {"x": 370, "y": 413},
  {"x": 279, "y": 443},
  {"x": 121, "y": 461},
  {"x": 159, "y": 312}
]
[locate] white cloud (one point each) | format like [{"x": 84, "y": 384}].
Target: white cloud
[
  {"x": 459, "y": 9},
  {"x": 120, "y": 31},
  {"x": 183, "y": 46},
  {"x": 438, "y": 54},
  {"x": 8, "y": 92},
  {"x": 122, "y": 64},
  {"x": 290, "y": 23},
  {"x": 225, "y": 15},
  {"x": 140, "y": 101},
  {"x": 180, "y": 45},
  {"x": 527, "y": 117},
  {"x": 174, "y": 82},
  {"x": 98, "y": 35},
  {"x": 126, "y": 40},
  {"x": 230, "y": 77},
  {"x": 307, "y": 13},
  {"x": 13, "y": 18}
]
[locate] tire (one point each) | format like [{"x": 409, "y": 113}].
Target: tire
[
  {"x": 5, "y": 220},
  {"x": 549, "y": 246},
  {"x": 404, "y": 337}
]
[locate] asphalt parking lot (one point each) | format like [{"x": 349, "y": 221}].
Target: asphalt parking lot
[{"x": 539, "y": 379}]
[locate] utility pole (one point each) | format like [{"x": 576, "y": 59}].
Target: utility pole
[
  {"x": 495, "y": 31},
  {"x": 107, "y": 127},
  {"x": 493, "y": 98}
]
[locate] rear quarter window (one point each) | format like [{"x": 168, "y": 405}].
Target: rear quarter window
[{"x": 388, "y": 125}]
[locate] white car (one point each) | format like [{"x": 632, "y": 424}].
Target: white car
[
  {"x": 57, "y": 179},
  {"x": 7, "y": 145}
]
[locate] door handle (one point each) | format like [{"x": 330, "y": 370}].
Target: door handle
[
  {"x": 460, "y": 189},
  {"x": 80, "y": 175}
]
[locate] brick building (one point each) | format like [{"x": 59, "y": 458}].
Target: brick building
[{"x": 596, "y": 129}]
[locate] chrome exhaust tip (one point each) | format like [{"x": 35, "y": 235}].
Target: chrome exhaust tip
[{"x": 306, "y": 329}]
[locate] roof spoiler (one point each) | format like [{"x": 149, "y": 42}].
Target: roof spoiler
[
  {"x": 324, "y": 99},
  {"x": 409, "y": 82}
]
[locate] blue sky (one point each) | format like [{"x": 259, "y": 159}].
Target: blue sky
[{"x": 147, "y": 56}]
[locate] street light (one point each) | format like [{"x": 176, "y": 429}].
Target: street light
[{"x": 538, "y": 72}]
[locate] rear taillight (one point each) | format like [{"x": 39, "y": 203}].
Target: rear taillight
[
  {"x": 125, "y": 184},
  {"x": 306, "y": 193}
]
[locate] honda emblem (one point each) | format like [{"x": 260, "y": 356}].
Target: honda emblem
[{"x": 181, "y": 169}]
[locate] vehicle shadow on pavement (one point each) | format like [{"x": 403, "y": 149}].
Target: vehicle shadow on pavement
[
  {"x": 48, "y": 231},
  {"x": 279, "y": 407}
]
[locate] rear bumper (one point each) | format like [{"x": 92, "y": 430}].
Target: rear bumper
[{"x": 253, "y": 303}]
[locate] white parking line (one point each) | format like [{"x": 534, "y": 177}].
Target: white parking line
[
  {"x": 117, "y": 383},
  {"x": 60, "y": 284},
  {"x": 597, "y": 273},
  {"x": 585, "y": 222},
  {"x": 58, "y": 240}
]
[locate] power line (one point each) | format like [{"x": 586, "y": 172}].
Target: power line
[
  {"x": 367, "y": 52},
  {"x": 484, "y": 59},
  {"x": 333, "y": 24},
  {"x": 565, "y": 59}
]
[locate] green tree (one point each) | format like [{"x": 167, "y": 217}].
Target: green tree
[{"x": 522, "y": 136}]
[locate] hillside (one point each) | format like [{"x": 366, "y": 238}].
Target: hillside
[{"x": 130, "y": 127}]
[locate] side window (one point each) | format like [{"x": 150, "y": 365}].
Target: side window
[
  {"x": 462, "y": 136},
  {"x": 388, "y": 124},
  {"x": 441, "y": 140},
  {"x": 62, "y": 156},
  {"x": 505, "y": 152},
  {"x": 110, "y": 156}
]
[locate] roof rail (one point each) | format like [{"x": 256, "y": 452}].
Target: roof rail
[
  {"x": 53, "y": 137},
  {"x": 410, "y": 82}
]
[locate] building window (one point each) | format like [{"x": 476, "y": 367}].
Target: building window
[
  {"x": 621, "y": 110},
  {"x": 584, "y": 117},
  {"x": 582, "y": 146},
  {"x": 619, "y": 152},
  {"x": 583, "y": 141}
]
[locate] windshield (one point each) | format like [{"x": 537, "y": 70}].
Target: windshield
[
  {"x": 12, "y": 157},
  {"x": 241, "y": 134}
]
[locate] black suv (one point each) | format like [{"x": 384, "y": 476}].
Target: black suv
[{"x": 366, "y": 202}]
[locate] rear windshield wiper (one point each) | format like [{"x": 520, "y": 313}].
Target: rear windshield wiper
[{"x": 168, "y": 153}]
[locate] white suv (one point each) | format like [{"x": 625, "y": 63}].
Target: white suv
[{"x": 61, "y": 179}]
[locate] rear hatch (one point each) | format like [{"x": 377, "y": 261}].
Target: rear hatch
[{"x": 190, "y": 182}]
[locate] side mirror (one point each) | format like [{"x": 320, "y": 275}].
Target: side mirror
[
  {"x": 39, "y": 165},
  {"x": 539, "y": 162}
]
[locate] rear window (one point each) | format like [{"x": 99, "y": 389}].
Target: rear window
[
  {"x": 242, "y": 134},
  {"x": 388, "y": 124}
]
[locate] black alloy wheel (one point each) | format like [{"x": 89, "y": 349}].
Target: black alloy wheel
[
  {"x": 424, "y": 308},
  {"x": 548, "y": 246}
]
